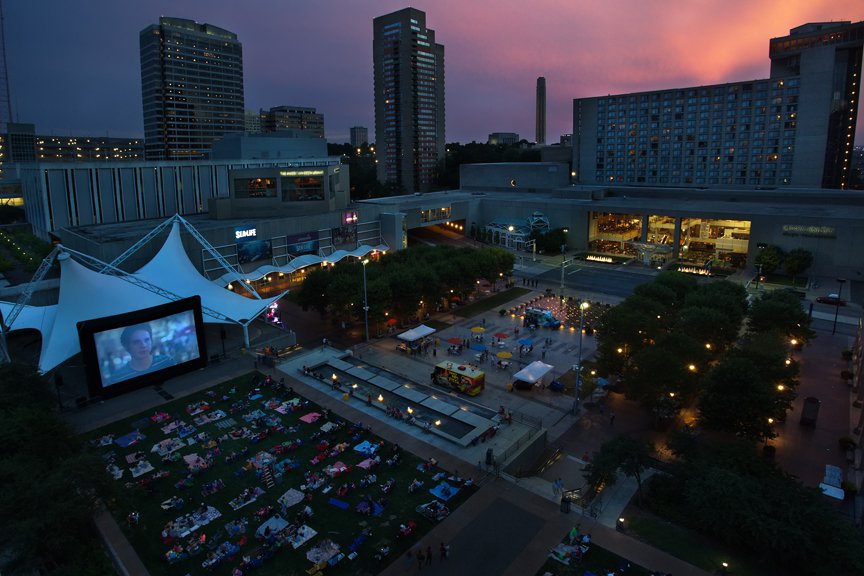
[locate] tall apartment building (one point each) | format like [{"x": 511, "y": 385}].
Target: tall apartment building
[
  {"x": 359, "y": 136},
  {"x": 540, "y": 116},
  {"x": 292, "y": 118},
  {"x": 252, "y": 121},
  {"x": 796, "y": 128},
  {"x": 191, "y": 87},
  {"x": 409, "y": 100}
]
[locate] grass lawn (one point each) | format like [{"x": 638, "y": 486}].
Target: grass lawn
[
  {"x": 287, "y": 438},
  {"x": 598, "y": 561},
  {"x": 687, "y": 544},
  {"x": 494, "y": 302}
]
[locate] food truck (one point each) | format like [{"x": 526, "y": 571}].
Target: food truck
[
  {"x": 460, "y": 377},
  {"x": 535, "y": 316}
]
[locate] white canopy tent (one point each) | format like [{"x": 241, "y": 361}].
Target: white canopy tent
[
  {"x": 534, "y": 372},
  {"x": 416, "y": 333}
]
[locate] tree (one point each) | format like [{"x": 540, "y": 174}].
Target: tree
[
  {"x": 739, "y": 401},
  {"x": 50, "y": 482},
  {"x": 769, "y": 259},
  {"x": 797, "y": 262},
  {"x": 625, "y": 453},
  {"x": 780, "y": 311}
]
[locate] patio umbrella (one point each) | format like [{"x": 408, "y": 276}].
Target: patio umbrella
[
  {"x": 502, "y": 335},
  {"x": 391, "y": 321},
  {"x": 504, "y": 355},
  {"x": 526, "y": 341},
  {"x": 477, "y": 346},
  {"x": 478, "y": 329},
  {"x": 455, "y": 340}
]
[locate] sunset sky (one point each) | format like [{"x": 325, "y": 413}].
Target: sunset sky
[{"x": 74, "y": 65}]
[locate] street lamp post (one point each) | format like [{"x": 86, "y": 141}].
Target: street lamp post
[
  {"x": 582, "y": 307},
  {"x": 563, "y": 263},
  {"x": 365, "y": 300},
  {"x": 837, "y": 304}
]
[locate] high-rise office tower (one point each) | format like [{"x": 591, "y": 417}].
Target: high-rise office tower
[
  {"x": 293, "y": 118},
  {"x": 359, "y": 136},
  {"x": 541, "y": 111},
  {"x": 409, "y": 100},
  {"x": 191, "y": 87},
  {"x": 796, "y": 128}
]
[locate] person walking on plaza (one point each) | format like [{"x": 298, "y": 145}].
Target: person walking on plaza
[
  {"x": 428, "y": 555},
  {"x": 420, "y": 558},
  {"x": 442, "y": 551},
  {"x": 611, "y": 418}
]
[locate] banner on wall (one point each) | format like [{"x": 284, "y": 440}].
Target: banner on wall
[{"x": 306, "y": 243}]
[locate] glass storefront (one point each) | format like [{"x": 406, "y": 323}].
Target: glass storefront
[
  {"x": 706, "y": 242},
  {"x": 661, "y": 230},
  {"x": 614, "y": 233},
  {"x": 302, "y": 189},
  {"x": 254, "y": 188}
]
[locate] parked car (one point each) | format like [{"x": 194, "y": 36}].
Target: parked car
[
  {"x": 832, "y": 299},
  {"x": 810, "y": 411}
]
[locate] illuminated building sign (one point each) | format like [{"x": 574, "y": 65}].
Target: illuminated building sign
[
  {"x": 243, "y": 234},
  {"x": 815, "y": 231},
  {"x": 301, "y": 173}
]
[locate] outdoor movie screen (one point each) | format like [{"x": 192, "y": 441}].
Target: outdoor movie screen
[{"x": 131, "y": 350}]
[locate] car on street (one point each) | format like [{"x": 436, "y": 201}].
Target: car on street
[{"x": 832, "y": 299}]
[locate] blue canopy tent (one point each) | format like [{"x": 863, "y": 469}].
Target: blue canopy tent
[{"x": 478, "y": 346}]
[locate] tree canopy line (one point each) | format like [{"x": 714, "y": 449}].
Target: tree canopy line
[
  {"x": 402, "y": 283},
  {"x": 680, "y": 342},
  {"x": 51, "y": 484},
  {"x": 364, "y": 177}
]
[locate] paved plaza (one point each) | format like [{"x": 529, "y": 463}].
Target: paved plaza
[{"x": 512, "y": 521}]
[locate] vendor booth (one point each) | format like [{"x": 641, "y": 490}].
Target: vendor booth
[
  {"x": 459, "y": 377},
  {"x": 415, "y": 340},
  {"x": 531, "y": 375}
]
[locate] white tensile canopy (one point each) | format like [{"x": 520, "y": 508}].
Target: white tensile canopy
[
  {"x": 416, "y": 333},
  {"x": 172, "y": 270},
  {"x": 86, "y": 294},
  {"x": 534, "y": 372}
]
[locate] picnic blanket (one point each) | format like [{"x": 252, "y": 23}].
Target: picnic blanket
[
  {"x": 195, "y": 461},
  {"x": 172, "y": 426},
  {"x": 291, "y": 497},
  {"x": 367, "y": 448},
  {"x": 140, "y": 468},
  {"x": 303, "y": 535},
  {"x": 197, "y": 408},
  {"x": 288, "y": 406},
  {"x": 311, "y": 418},
  {"x": 322, "y": 551},
  {"x": 336, "y": 469},
  {"x": 129, "y": 439},
  {"x": 328, "y": 426},
  {"x": 167, "y": 446},
  {"x": 444, "y": 491},
  {"x": 338, "y": 503},
  {"x": 275, "y": 523},
  {"x": 367, "y": 464},
  {"x": 250, "y": 497},
  {"x": 160, "y": 417},
  {"x": 207, "y": 417}
]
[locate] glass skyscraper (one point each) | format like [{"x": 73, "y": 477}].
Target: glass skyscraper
[
  {"x": 409, "y": 101},
  {"x": 191, "y": 87}
]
